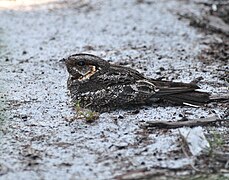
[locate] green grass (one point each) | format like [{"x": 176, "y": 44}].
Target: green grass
[
  {"x": 215, "y": 141},
  {"x": 87, "y": 114},
  {"x": 219, "y": 176}
]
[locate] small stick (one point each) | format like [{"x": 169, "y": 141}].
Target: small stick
[
  {"x": 188, "y": 123},
  {"x": 186, "y": 150}
]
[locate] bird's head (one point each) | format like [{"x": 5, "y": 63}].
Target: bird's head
[{"x": 83, "y": 66}]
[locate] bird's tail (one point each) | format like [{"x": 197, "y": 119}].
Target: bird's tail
[
  {"x": 180, "y": 93},
  {"x": 188, "y": 98}
]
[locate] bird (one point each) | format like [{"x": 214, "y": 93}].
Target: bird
[{"x": 100, "y": 86}]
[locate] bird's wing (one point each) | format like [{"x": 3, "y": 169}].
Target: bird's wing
[
  {"x": 124, "y": 95},
  {"x": 118, "y": 75},
  {"x": 168, "y": 87},
  {"x": 124, "y": 86}
]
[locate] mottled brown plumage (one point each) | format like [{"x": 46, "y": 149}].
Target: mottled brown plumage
[{"x": 98, "y": 85}]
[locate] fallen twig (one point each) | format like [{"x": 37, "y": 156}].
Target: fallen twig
[
  {"x": 186, "y": 150},
  {"x": 188, "y": 123},
  {"x": 221, "y": 156},
  {"x": 219, "y": 98}
]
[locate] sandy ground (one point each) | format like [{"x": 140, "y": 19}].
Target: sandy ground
[{"x": 38, "y": 140}]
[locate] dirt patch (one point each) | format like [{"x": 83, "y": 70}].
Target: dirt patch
[{"x": 212, "y": 20}]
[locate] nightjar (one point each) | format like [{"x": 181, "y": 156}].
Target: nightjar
[{"x": 100, "y": 86}]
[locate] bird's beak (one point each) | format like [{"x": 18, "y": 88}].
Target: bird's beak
[{"x": 63, "y": 60}]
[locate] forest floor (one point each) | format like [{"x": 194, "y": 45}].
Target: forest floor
[{"x": 40, "y": 136}]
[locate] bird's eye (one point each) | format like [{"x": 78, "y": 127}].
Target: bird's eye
[{"x": 81, "y": 63}]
